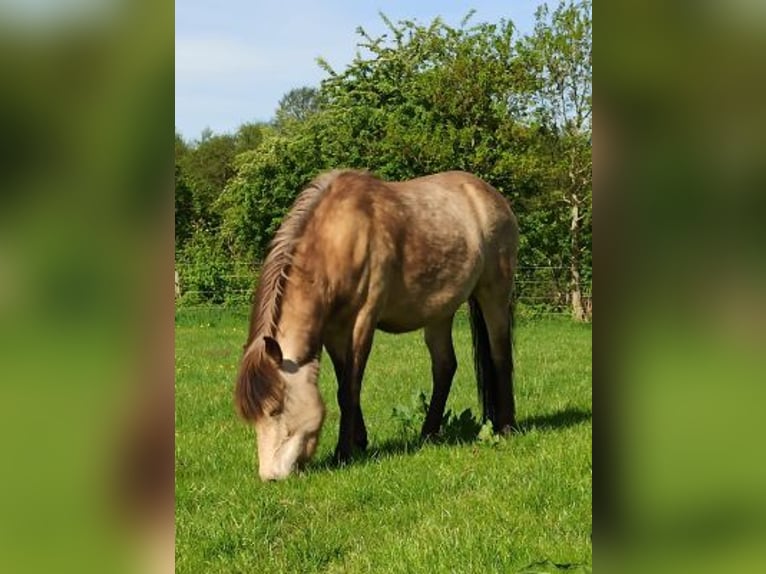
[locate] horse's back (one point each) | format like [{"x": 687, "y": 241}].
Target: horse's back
[
  {"x": 417, "y": 248},
  {"x": 459, "y": 231},
  {"x": 456, "y": 207}
]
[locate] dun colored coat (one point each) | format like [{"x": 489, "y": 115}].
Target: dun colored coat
[{"x": 356, "y": 254}]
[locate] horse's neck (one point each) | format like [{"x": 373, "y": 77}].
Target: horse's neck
[{"x": 301, "y": 321}]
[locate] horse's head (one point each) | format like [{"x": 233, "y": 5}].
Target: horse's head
[{"x": 281, "y": 399}]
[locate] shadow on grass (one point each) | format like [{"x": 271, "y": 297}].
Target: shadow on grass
[
  {"x": 458, "y": 430},
  {"x": 569, "y": 417}
]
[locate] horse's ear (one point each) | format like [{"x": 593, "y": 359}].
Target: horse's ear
[{"x": 273, "y": 350}]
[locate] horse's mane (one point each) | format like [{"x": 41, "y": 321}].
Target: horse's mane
[
  {"x": 276, "y": 267},
  {"x": 259, "y": 387}
]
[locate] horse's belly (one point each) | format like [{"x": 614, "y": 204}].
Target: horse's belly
[
  {"x": 392, "y": 327},
  {"x": 401, "y": 316},
  {"x": 401, "y": 324}
]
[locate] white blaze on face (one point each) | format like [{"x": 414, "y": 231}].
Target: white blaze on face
[{"x": 290, "y": 436}]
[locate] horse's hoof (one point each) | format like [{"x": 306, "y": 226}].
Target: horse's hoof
[
  {"x": 429, "y": 436},
  {"x": 508, "y": 430},
  {"x": 341, "y": 457}
]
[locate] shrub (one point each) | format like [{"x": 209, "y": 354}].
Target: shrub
[{"x": 208, "y": 273}]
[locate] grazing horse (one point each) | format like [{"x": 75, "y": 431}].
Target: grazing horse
[{"x": 355, "y": 254}]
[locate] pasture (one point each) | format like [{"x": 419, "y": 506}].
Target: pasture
[{"x": 469, "y": 503}]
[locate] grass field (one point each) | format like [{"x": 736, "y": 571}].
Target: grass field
[{"x": 472, "y": 503}]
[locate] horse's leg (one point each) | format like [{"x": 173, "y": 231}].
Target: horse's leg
[
  {"x": 337, "y": 351},
  {"x": 438, "y": 338},
  {"x": 495, "y": 308},
  {"x": 351, "y": 422}
]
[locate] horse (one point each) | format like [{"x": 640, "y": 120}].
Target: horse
[{"x": 355, "y": 254}]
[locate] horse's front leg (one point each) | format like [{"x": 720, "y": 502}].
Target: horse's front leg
[
  {"x": 337, "y": 348},
  {"x": 352, "y": 430}
]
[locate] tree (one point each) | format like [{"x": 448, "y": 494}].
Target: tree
[
  {"x": 206, "y": 167},
  {"x": 249, "y": 136},
  {"x": 432, "y": 100},
  {"x": 428, "y": 98},
  {"x": 558, "y": 60},
  {"x": 266, "y": 182},
  {"x": 184, "y": 212},
  {"x": 297, "y": 105}
]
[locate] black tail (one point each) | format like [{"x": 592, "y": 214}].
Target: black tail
[
  {"x": 482, "y": 360},
  {"x": 488, "y": 386}
]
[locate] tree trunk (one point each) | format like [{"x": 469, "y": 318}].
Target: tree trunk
[{"x": 575, "y": 289}]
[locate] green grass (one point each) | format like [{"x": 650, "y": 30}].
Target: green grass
[{"x": 470, "y": 505}]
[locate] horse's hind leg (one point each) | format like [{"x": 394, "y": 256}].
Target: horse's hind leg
[
  {"x": 438, "y": 338},
  {"x": 494, "y": 302}
]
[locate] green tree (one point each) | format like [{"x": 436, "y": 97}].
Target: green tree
[
  {"x": 425, "y": 99},
  {"x": 250, "y": 136},
  {"x": 296, "y": 106},
  {"x": 184, "y": 211},
  {"x": 206, "y": 167},
  {"x": 266, "y": 182},
  {"x": 428, "y": 98},
  {"x": 557, "y": 58}
]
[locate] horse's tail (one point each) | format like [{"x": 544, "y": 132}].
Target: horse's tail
[
  {"x": 486, "y": 375},
  {"x": 482, "y": 360}
]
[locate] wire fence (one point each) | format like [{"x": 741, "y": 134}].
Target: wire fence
[{"x": 539, "y": 290}]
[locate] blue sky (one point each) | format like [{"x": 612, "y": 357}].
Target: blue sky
[{"x": 235, "y": 59}]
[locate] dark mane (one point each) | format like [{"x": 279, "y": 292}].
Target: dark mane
[{"x": 259, "y": 386}]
